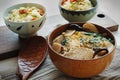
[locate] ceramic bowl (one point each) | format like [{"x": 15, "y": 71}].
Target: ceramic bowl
[
  {"x": 80, "y": 68},
  {"x": 25, "y": 29},
  {"x": 78, "y": 16}
]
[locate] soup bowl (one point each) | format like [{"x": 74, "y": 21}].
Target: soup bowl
[{"x": 80, "y": 68}]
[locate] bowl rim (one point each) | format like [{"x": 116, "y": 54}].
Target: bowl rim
[
  {"x": 44, "y": 15},
  {"x": 50, "y": 46},
  {"x": 95, "y": 7}
]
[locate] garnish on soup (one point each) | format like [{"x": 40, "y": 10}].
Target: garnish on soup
[{"x": 82, "y": 45}]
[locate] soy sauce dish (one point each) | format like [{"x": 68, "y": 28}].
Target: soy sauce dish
[
  {"x": 81, "y": 50},
  {"x": 25, "y": 19}
]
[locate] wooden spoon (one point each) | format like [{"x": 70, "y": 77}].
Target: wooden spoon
[{"x": 31, "y": 55}]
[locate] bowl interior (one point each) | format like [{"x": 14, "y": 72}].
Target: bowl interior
[
  {"x": 7, "y": 11},
  {"x": 65, "y": 27},
  {"x": 93, "y": 2}
]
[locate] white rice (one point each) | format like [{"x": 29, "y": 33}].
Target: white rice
[
  {"x": 31, "y": 14},
  {"x": 79, "y": 5}
]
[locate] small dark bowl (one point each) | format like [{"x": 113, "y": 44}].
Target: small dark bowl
[
  {"x": 80, "y": 68},
  {"x": 78, "y": 16}
]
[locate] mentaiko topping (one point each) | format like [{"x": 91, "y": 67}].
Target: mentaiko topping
[
  {"x": 77, "y": 5},
  {"x": 25, "y": 14}
]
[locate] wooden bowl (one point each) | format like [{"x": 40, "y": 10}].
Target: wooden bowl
[{"x": 80, "y": 68}]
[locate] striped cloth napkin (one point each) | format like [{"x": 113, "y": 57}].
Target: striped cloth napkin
[{"x": 47, "y": 71}]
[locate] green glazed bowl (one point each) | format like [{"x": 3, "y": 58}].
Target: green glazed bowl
[
  {"x": 25, "y": 29},
  {"x": 78, "y": 16}
]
